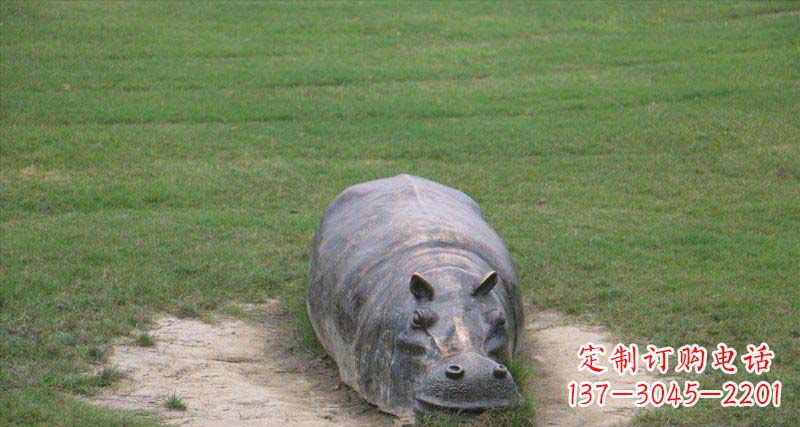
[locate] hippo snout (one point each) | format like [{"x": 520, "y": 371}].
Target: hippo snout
[{"x": 467, "y": 383}]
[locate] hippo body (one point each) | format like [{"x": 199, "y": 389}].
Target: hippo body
[{"x": 415, "y": 297}]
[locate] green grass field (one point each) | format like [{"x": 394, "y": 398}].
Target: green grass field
[{"x": 641, "y": 161}]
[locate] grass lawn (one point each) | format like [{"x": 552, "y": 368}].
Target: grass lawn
[{"x": 641, "y": 161}]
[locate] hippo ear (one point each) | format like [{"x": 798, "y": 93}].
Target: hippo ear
[
  {"x": 420, "y": 287},
  {"x": 485, "y": 285}
]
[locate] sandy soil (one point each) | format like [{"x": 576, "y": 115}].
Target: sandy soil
[
  {"x": 553, "y": 344},
  {"x": 234, "y": 372}
]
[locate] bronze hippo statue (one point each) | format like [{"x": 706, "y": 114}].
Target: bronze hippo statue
[{"x": 415, "y": 298}]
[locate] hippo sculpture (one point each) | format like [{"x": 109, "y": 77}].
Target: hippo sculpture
[{"x": 415, "y": 298}]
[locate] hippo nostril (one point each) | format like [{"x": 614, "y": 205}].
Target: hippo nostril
[
  {"x": 454, "y": 372},
  {"x": 500, "y": 371}
]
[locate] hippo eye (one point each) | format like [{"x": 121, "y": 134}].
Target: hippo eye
[
  {"x": 496, "y": 318},
  {"x": 417, "y": 321},
  {"x": 423, "y": 318}
]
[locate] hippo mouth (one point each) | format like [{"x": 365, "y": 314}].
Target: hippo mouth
[
  {"x": 460, "y": 409},
  {"x": 466, "y": 385}
]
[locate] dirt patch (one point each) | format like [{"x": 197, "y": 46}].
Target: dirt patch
[
  {"x": 34, "y": 172},
  {"x": 554, "y": 344},
  {"x": 234, "y": 373}
]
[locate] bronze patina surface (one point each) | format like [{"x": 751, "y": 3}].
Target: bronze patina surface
[{"x": 415, "y": 297}]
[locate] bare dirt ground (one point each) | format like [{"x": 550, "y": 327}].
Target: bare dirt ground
[
  {"x": 233, "y": 372},
  {"x": 553, "y": 344}
]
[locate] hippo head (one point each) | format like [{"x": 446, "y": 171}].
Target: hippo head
[{"x": 456, "y": 341}]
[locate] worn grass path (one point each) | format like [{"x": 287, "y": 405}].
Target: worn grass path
[{"x": 640, "y": 160}]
